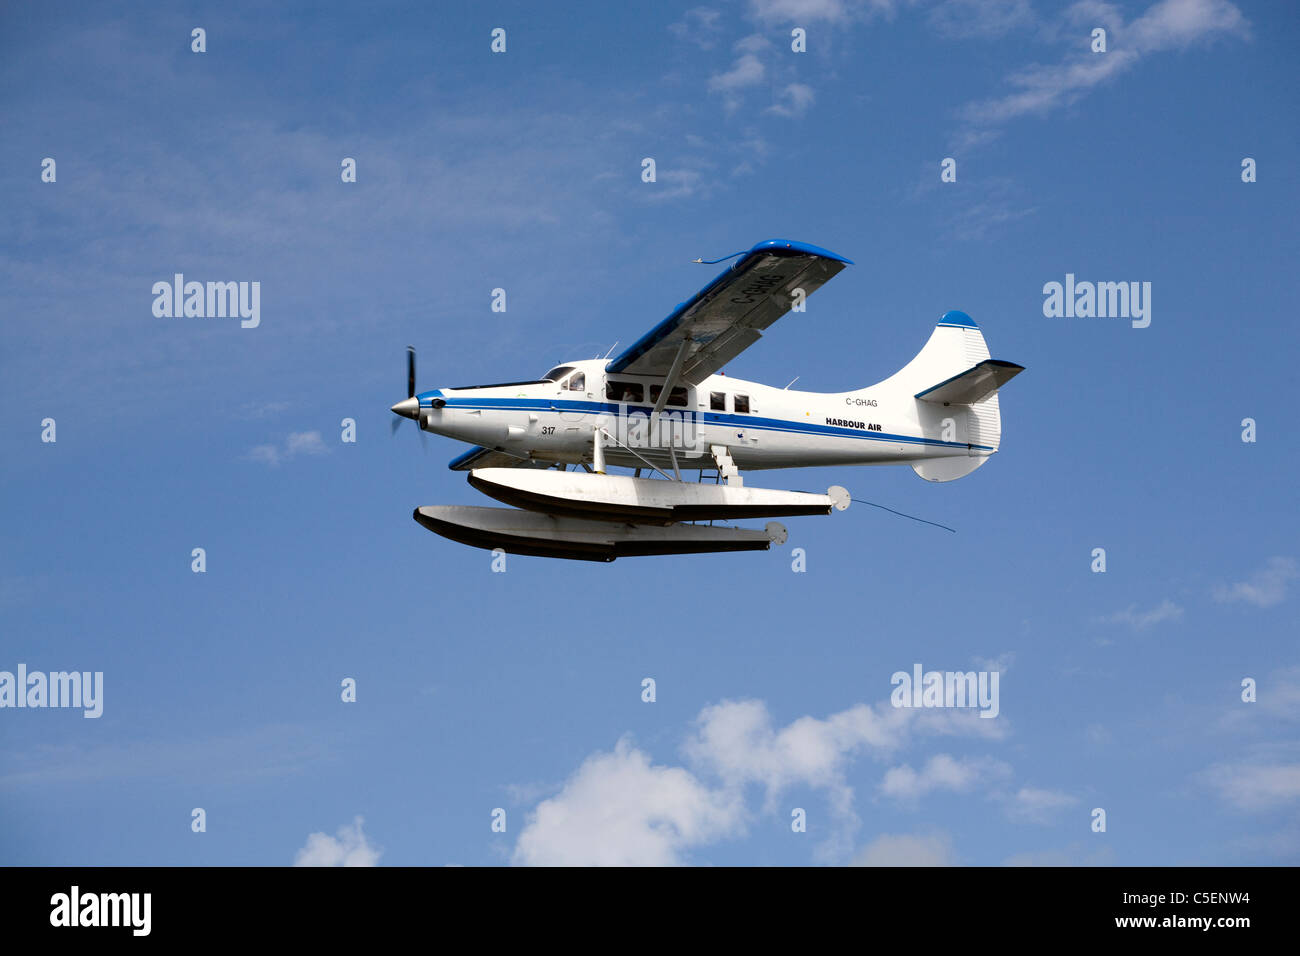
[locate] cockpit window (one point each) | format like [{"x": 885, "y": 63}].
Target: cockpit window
[
  {"x": 557, "y": 373},
  {"x": 577, "y": 383}
]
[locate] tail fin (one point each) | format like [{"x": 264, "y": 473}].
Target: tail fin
[
  {"x": 954, "y": 380},
  {"x": 955, "y": 345}
]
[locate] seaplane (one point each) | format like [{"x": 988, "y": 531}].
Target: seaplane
[{"x": 663, "y": 407}]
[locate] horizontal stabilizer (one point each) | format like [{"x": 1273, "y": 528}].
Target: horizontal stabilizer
[{"x": 973, "y": 385}]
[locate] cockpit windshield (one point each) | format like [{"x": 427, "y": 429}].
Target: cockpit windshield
[{"x": 557, "y": 373}]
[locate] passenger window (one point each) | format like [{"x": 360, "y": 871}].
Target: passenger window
[
  {"x": 676, "y": 397},
  {"x": 718, "y": 401},
  {"x": 623, "y": 391},
  {"x": 578, "y": 383},
  {"x": 742, "y": 404}
]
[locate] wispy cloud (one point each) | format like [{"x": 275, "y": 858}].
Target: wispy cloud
[
  {"x": 297, "y": 443},
  {"x": 1166, "y": 610},
  {"x": 981, "y": 207},
  {"x": 964, "y": 19},
  {"x": 1279, "y": 694},
  {"x": 238, "y": 757},
  {"x": 746, "y": 71},
  {"x": 1036, "y": 805},
  {"x": 754, "y": 66},
  {"x": 794, "y": 100},
  {"x": 1254, "y": 785},
  {"x": 699, "y": 25},
  {"x": 1076, "y": 854},
  {"x": 800, "y": 12},
  {"x": 1266, "y": 587},
  {"x": 1039, "y": 89},
  {"x": 902, "y": 849},
  {"x": 941, "y": 772}
]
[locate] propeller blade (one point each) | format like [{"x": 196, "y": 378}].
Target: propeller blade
[{"x": 409, "y": 408}]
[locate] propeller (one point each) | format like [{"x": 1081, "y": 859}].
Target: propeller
[{"x": 410, "y": 408}]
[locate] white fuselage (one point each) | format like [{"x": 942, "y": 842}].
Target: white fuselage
[{"x": 759, "y": 426}]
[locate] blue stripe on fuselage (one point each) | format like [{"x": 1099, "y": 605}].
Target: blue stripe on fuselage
[{"x": 708, "y": 418}]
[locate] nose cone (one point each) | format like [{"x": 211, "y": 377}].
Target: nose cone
[{"x": 407, "y": 408}]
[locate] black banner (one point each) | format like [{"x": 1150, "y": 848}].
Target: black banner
[{"x": 303, "y": 905}]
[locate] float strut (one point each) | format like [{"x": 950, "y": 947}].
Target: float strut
[{"x": 598, "y": 451}]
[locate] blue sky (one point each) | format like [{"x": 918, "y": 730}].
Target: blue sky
[{"x": 522, "y": 690}]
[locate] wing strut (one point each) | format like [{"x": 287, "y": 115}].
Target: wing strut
[{"x": 670, "y": 380}]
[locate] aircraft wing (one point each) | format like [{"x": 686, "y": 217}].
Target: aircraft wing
[
  {"x": 707, "y": 331},
  {"x": 480, "y": 457}
]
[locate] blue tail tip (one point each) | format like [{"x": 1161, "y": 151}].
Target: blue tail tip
[{"x": 959, "y": 319}]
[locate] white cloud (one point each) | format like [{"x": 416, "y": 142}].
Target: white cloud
[
  {"x": 304, "y": 443},
  {"x": 1039, "y": 89},
  {"x": 698, "y": 25},
  {"x": 621, "y": 810},
  {"x": 1176, "y": 24},
  {"x": 736, "y": 739},
  {"x": 1254, "y": 786},
  {"x": 1002, "y": 663},
  {"x": 1266, "y": 587},
  {"x": 941, "y": 772},
  {"x": 1035, "y": 805},
  {"x": 1166, "y": 610},
  {"x": 298, "y": 443},
  {"x": 801, "y": 12},
  {"x": 747, "y": 71},
  {"x": 1279, "y": 695},
  {"x": 1043, "y": 88},
  {"x": 754, "y": 43},
  {"x": 907, "y": 850},
  {"x": 678, "y": 182},
  {"x": 794, "y": 100},
  {"x": 349, "y": 848}
]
